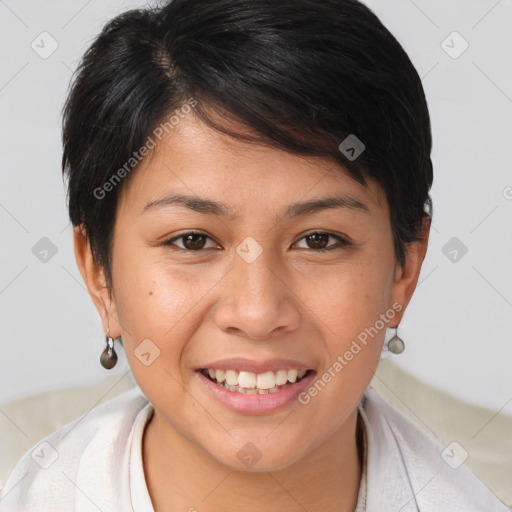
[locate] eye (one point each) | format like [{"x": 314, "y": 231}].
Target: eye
[
  {"x": 192, "y": 241},
  {"x": 318, "y": 240}
]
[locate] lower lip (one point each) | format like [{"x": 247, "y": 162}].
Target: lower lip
[{"x": 256, "y": 404}]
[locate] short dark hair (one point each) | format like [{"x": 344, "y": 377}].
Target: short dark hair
[{"x": 302, "y": 75}]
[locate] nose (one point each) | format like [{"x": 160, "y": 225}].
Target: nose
[{"x": 257, "y": 302}]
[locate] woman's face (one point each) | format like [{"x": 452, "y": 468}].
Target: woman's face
[{"x": 252, "y": 288}]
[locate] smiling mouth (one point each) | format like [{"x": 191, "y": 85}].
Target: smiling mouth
[{"x": 250, "y": 383}]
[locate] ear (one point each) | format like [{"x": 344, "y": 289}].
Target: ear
[
  {"x": 94, "y": 278},
  {"x": 406, "y": 275}
]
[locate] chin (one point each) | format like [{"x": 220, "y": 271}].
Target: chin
[{"x": 251, "y": 459}]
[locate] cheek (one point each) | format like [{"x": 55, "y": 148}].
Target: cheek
[
  {"x": 157, "y": 302},
  {"x": 350, "y": 305},
  {"x": 352, "y": 331},
  {"x": 350, "y": 298}
]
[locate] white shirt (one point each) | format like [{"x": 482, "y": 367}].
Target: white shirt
[{"x": 95, "y": 463}]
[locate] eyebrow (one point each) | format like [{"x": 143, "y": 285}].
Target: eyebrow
[{"x": 210, "y": 207}]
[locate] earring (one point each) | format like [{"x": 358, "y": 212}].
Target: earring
[
  {"x": 396, "y": 344},
  {"x": 108, "y": 357}
]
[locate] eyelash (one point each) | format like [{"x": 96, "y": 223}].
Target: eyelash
[{"x": 342, "y": 241}]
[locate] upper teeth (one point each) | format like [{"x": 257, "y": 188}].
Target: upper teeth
[{"x": 251, "y": 380}]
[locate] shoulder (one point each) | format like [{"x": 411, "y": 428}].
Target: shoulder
[
  {"x": 80, "y": 455},
  {"x": 411, "y": 469}
]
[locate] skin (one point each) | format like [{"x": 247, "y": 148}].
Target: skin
[{"x": 291, "y": 302}]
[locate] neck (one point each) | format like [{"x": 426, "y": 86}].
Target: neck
[{"x": 182, "y": 476}]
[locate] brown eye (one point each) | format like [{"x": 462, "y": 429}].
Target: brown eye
[
  {"x": 319, "y": 241},
  {"x": 194, "y": 242},
  {"x": 191, "y": 241}
]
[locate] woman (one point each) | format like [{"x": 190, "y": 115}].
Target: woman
[{"x": 249, "y": 185}]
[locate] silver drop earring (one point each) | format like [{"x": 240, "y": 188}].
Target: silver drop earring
[
  {"x": 108, "y": 357},
  {"x": 396, "y": 344}
]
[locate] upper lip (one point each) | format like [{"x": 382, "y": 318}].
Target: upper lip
[{"x": 241, "y": 364}]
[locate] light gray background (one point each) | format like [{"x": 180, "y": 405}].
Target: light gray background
[{"x": 457, "y": 327}]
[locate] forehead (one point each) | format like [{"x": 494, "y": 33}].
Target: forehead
[{"x": 196, "y": 160}]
